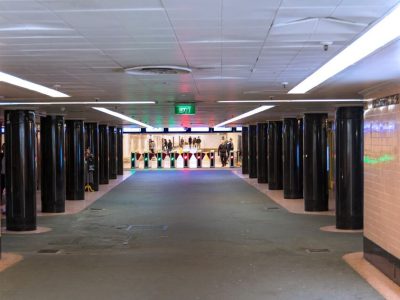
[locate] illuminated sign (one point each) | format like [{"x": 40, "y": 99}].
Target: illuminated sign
[{"x": 185, "y": 109}]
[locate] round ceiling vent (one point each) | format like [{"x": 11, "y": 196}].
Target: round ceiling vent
[{"x": 157, "y": 70}]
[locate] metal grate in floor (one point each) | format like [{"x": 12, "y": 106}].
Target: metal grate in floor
[{"x": 49, "y": 251}]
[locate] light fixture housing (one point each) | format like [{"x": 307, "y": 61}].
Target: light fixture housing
[
  {"x": 121, "y": 116},
  {"x": 77, "y": 103},
  {"x": 295, "y": 101},
  {"x": 10, "y": 79},
  {"x": 376, "y": 37},
  {"x": 245, "y": 115}
]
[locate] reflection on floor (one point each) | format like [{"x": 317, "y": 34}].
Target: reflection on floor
[
  {"x": 295, "y": 206},
  {"x": 75, "y": 206},
  {"x": 8, "y": 260},
  {"x": 184, "y": 235}
]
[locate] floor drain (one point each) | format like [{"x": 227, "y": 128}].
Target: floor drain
[
  {"x": 317, "y": 250},
  {"x": 49, "y": 251}
]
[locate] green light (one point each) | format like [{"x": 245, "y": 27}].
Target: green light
[{"x": 380, "y": 159}]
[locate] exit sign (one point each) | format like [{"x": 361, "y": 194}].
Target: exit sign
[{"x": 185, "y": 109}]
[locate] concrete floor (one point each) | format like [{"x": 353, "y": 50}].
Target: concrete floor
[{"x": 184, "y": 235}]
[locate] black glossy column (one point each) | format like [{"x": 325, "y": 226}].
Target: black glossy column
[
  {"x": 349, "y": 168},
  {"x": 252, "y": 151},
  {"x": 120, "y": 151},
  {"x": 262, "y": 157},
  {"x": 245, "y": 150},
  {"x": 75, "y": 161},
  {"x": 275, "y": 167},
  {"x": 292, "y": 158},
  {"x": 92, "y": 142},
  {"x": 20, "y": 170},
  {"x": 315, "y": 173},
  {"x": 52, "y": 147},
  {"x": 112, "y": 154},
  {"x": 103, "y": 154}
]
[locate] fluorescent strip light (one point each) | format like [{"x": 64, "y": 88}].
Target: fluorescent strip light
[
  {"x": 245, "y": 115},
  {"x": 176, "y": 129},
  {"x": 30, "y": 85},
  {"x": 121, "y": 116},
  {"x": 376, "y": 37},
  {"x": 129, "y": 129},
  {"x": 152, "y": 129},
  {"x": 77, "y": 103},
  {"x": 200, "y": 129},
  {"x": 222, "y": 129},
  {"x": 294, "y": 101},
  {"x": 239, "y": 128}
]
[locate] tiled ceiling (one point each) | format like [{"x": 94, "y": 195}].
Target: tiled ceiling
[{"x": 237, "y": 50}]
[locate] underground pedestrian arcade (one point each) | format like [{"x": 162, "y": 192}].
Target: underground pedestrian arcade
[{"x": 216, "y": 149}]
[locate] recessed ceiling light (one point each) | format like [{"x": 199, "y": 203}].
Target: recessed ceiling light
[
  {"x": 294, "y": 101},
  {"x": 245, "y": 115},
  {"x": 176, "y": 129},
  {"x": 77, "y": 103},
  {"x": 4, "y": 77},
  {"x": 220, "y": 41},
  {"x": 154, "y": 130},
  {"x": 121, "y": 116},
  {"x": 222, "y": 129},
  {"x": 200, "y": 129},
  {"x": 34, "y": 28},
  {"x": 376, "y": 37}
]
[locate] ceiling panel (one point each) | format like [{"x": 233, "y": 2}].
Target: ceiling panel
[{"x": 236, "y": 49}]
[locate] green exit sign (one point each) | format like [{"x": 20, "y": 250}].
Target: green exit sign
[{"x": 185, "y": 109}]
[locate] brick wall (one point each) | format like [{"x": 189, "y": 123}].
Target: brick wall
[{"x": 382, "y": 177}]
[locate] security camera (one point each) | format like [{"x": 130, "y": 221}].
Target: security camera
[{"x": 325, "y": 45}]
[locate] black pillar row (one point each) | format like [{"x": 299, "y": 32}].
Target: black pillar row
[
  {"x": 315, "y": 173},
  {"x": 120, "y": 151},
  {"x": 52, "y": 143},
  {"x": 245, "y": 150},
  {"x": 75, "y": 164},
  {"x": 262, "y": 158},
  {"x": 275, "y": 180},
  {"x": 252, "y": 151},
  {"x": 349, "y": 168},
  {"x": 20, "y": 170},
  {"x": 112, "y": 154},
  {"x": 92, "y": 142},
  {"x": 292, "y": 158},
  {"x": 103, "y": 154}
]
